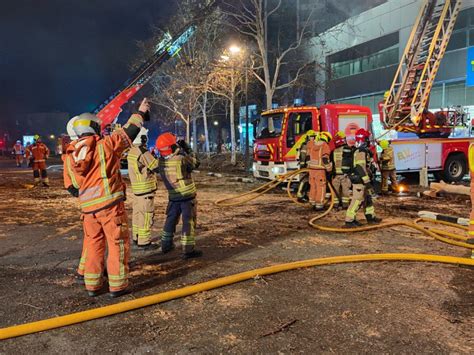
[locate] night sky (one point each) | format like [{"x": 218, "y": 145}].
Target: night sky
[{"x": 69, "y": 55}]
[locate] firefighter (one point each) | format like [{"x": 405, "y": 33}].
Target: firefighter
[
  {"x": 175, "y": 165},
  {"x": 96, "y": 160},
  {"x": 19, "y": 151},
  {"x": 342, "y": 160},
  {"x": 388, "y": 167},
  {"x": 37, "y": 153},
  {"x": 303, "y": 158},
  {"x": 319, "y": 164},
  {"x": 361, "y": 181},
  {"x": 141, "y": 166}
]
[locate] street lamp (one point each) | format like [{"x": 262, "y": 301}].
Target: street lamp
[
  {"x": 216, "y": 123},
  {"x": 234, "y": 49}
]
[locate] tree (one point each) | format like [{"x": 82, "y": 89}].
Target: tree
[
  {"x": 250, "y": 19},
  {"x": 182, "y": 85},
  {"x": 226, "y": 81}
]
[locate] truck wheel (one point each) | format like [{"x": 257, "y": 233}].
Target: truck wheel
[{"x": 455, "y": 168}]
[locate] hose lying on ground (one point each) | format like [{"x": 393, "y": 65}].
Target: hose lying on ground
[{"x": 79, "y": 317}]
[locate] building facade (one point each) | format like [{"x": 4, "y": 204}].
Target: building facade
[{"x": 361, "y": 56}]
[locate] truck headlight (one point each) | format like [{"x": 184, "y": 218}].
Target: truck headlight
[
  {"x": 278, "y": 170},
  {"x": 254, "y": 167}
]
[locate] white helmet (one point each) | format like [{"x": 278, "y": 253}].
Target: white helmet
[
  {"x": 18, "y": 142},
  {"x": 70, "y": 130},
  {"x": 84, "y": 123},
  {"x": 138, "y": 140}
]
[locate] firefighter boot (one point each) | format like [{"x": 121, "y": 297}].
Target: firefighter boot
[
  {"x": 353, "y": 224},
  {"x": 115, "y": 294},
  {"x": 373, "y": 219},
  {"x": 192, "y": 254},
  {"x": 148, "y": 247}
]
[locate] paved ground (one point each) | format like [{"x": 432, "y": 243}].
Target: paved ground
[{"x": 384, "y": 307}]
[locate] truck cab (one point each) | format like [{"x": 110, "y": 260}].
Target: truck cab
[{"x": 279, "y": 133}]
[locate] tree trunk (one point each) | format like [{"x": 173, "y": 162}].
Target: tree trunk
[
  {"x": 204, "y": 117},
  {"x": 195, "y": 144},
  {"x": 233, "y": 159},
  {"x": 188, "y": 133}
]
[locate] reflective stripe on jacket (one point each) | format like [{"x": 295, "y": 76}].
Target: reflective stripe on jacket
[
  {"x": 361, "y": 162},
  {"x": 97, "y": 161},
  {"x": 141, "y": 164},
  {"x": 388, "y": 159},
  {"x": 175, "y": 171},
  {"x": 70, "y": 177},
  {"x": 319, "y": 155}
]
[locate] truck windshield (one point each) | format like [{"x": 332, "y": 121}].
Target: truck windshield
[{"x": 269, "y": 125}]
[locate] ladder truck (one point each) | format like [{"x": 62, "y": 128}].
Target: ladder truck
[{"x": 405, "y": 108}]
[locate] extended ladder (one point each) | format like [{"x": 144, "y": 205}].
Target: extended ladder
[{"x": 407, "y": 100}]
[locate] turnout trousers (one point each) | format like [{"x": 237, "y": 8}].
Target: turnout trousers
[
  {"x": 386, "y": 175},
  {"x": 106, "y": 228},
  {"x": 142, "y": 217},
  {"x": 360, "y": 197},
  {"x": 187, "y": 210},
  {"x": 317, "y": 187},
  {"x": 19, "y": 159},
  {"x": 342, "y": 186},
  {"x": 39, "y": 172}
]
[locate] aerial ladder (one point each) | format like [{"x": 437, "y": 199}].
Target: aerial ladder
[
  {"x": 405, "y": 108},
  {"x": 109, "y": 110}
]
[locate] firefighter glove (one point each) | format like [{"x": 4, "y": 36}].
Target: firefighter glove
[
  {"x": 184, "y": 146},
  {"x": 73, "y": 191}
]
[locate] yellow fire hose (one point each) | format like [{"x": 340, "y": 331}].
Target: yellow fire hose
[{"x": 79, "y": 317}]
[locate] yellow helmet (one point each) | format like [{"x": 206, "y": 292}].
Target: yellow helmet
[
  {"x": 386, "y": 94},
  {"x": 384, "y": 144},
  {"x": 311, "y": 133},
  {"x": 325, "y": 137},
  {"x": 341, "y": 134}
]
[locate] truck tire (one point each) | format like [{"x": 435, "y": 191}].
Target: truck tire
[{"x": 455, "y": 168}]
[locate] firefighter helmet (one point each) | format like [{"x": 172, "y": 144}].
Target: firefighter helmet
[
  {"x": 311, "y": 133},
  {"x": 36, "y": 138},
  {"x": 70, "y": 129},
  {"x": 339, "y": 139},
  {"x": 165, "y": 143},
  {"x": 362, "y": 135},
  {"x": 325, "y": 137},
  {"x": 384, "y": 144},
  {"x": 18, "y": 142},
  {"x": 86, "y": 123},
  {"x": 142, "y": 137}
]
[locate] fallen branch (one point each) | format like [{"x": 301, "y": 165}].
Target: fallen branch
[
  {"x": 437, "y": 187},
  {"x": 280, "y": 328}
]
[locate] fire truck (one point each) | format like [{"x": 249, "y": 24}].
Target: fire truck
[
  {"x": 279, "y": 133},
  {"x": 439, "y": 141}
]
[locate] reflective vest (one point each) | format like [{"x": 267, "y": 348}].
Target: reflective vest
[
  {"x": 140, "y": 170},
  {"x": 342, "y": 159},
  {"x": 18, "y": 148},
  {"x": 319, "y": 155},
  {"x": 97, "y": 161},
  {"x": 388, "y": 159},
  {"x": 39, "y": 151},
  {"x": 361, "y": 162},
  {"x": 70, "y": 177},
  {"x": 175, "y": 171}
]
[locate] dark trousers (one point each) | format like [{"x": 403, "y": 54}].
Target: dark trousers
[{"x": 186, "y": 210}]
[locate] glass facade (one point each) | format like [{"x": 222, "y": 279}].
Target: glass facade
[{"x": 380, "y": 59}]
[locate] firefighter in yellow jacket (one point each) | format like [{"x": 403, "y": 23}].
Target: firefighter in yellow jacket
[
  {"x": 142, "y": 166},
  {"x": 388, "y": 167},
  {"x": 319, "y": 164},
  {"x": 176, "y": 163},
  {"x": 341, "y": 158},
  {"x": 361, "y": 181}
]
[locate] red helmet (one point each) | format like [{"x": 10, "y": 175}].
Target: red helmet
[
  {"x": 362, "y": 135},
  {"x": 339, "y": 139},
  {"x": 165, "y": 142}
]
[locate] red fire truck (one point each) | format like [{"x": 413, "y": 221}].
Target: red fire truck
[{"x": 279, "y": 133}]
